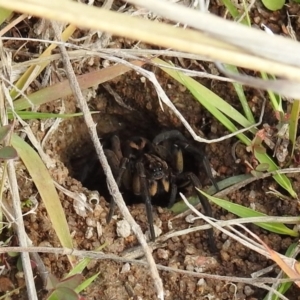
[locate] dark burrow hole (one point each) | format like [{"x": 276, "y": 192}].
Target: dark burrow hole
[{"x": 84, "y": 165}]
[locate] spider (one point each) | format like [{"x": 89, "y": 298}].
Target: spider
[{"x": 150, "y": 169}]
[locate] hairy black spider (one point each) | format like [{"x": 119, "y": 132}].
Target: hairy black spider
[{"x": 153, "y": 168}]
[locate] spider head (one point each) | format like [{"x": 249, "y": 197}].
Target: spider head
[{"x": 156, "y": 167}]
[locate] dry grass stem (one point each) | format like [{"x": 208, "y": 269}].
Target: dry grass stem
[
  {"x": 54, "y": 126},
  {"x": 259, "y": 282},
  {"x": 102, "y": 256},
  {"x": 237, "y": 235},
  {"x": 137, "y": 252},
  {"x": 143, "y": 54},
  {"x": 267, "y": 52},
  {"x": 20, "y": 229},
  {"x": 275, "y": 285},
  {"x": 243, "y": 37},
  {"x": 249, "y": 180},
  {"x": 16, "y": 216},
  {"x": 114, "y": 190},
  {"x": 12, "y": 24}
]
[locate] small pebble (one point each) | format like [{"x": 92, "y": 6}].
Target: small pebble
[
  {"x": 99, "y": 229},
  {"x": 79, "y": 205},
  {"x": 125, "y": 268},
  {"x": 226, "y": 245},
  {"x": 90, "y": 222},
  {"x": 89, "y": 233},
  {"x": 163, "y": 254},
  {"x": 123, "y": 229},
  {"x": 190, "y": 219},
  {"x": 248, "y": 290}
]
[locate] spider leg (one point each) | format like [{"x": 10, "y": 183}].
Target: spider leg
[
  {"x": 119, "y": 165},
  {"x": 113, "y": 161},
  {"x": 202, "y": 159},
  {"x": 116, "y": 147},
  {"x": 170, "y": 134},
  {"x": 173, "y": 192},
  {"x": 146, "y": 197},
  {"x": 208, "y": 171},
  {"x": 206, "y": 206}
]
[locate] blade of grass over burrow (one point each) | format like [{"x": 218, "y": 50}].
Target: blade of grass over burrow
[
  {"x": 180, "y": 205},
  {"x": 199, "y": 93},
  {"x": 33, "y": 71},
  {"x": 63, "y": 89},
  {"x": 274, "y": 98},
  {"x": 240, "y": 93},
  {"x": 245, "y": 212},
  {"x": 211, "y": 101},
  {"x": 45, "y": 186},
  {"x": 220, "y": 109}
]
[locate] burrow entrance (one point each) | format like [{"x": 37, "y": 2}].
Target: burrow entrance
[{"x": 138, "y": 115}]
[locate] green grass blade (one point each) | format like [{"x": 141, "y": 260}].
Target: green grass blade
[
  {"x": 275, "y": 99},
  {"x": 83, "y": 263},
  {"x": 86, "y": 283},
  {"x": 231, "y": 8},
  {"x": 240, "y": 93},
  {"x": 280, "y": 178},
  {"x": 4, "y": 14},
  {"x": 213, "y": 102},
  {"x": 245, "y": 212},
  {"x": 4, "y": 131},
  {"x": 45, "y": 186}
]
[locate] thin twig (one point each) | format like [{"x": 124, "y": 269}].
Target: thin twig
[
  {"x": 218, "y": 40},
  {"x": 259, "y": 282},
  {"x": 159, "y": 243},
  {"x": 251, "y": 244},
  {"x": 113, "y": 187},
  {"x": 13, "y": 24},
  {"x": 19, "y": 228},
  {"x": 18, "y": 223},
  {"x": 294, "y": 254},
  {"x": 105, "y": 256}
]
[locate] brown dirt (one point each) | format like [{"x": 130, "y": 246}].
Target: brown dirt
[{"x": 71, "y": 149}]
